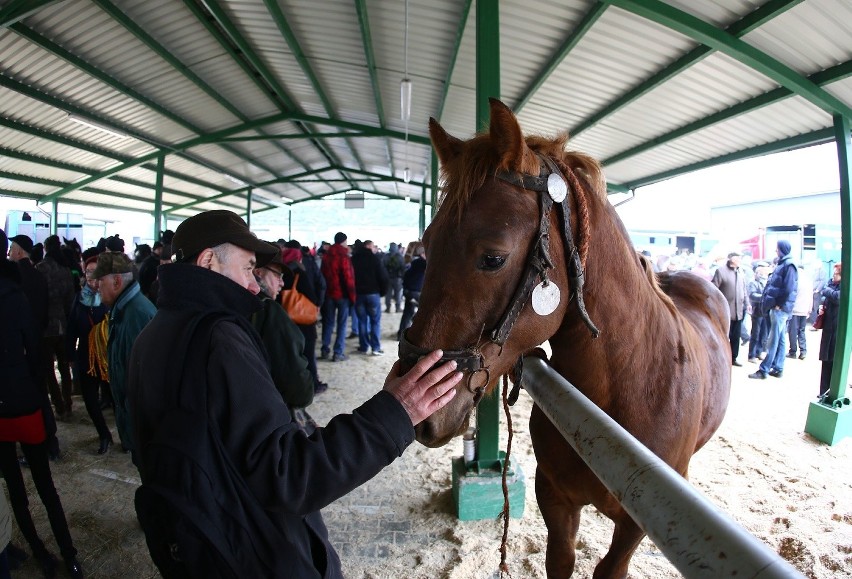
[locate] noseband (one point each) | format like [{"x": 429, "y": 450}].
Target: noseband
[{"x": 552, "y": 188}]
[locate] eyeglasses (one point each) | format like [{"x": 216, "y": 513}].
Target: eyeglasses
[{"x": 278, "y": 274}]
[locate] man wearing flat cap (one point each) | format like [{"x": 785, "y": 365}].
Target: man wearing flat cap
[
  {"x": 130, "y": 311},
  {"x": 200, "y": 356},
  {"x": 731, "y": 282}
]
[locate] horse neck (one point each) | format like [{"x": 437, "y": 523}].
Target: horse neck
[{"x": 619, "y": 298}]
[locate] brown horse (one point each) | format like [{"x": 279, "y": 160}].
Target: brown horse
[{"x": 512, "y": 265}]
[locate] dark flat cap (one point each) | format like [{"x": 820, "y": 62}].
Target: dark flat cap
[
  {"x": 213, "y": 228},
  {"x": 110, "y": 262},
  {"x": 24, "y": 242}
]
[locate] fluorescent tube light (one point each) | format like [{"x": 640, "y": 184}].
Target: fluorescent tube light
[
  {"x": 405, "y": 88},
  {"x": 97, "y": 126}
]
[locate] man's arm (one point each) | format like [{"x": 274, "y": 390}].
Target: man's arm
[{"x": 297, "y": 474}]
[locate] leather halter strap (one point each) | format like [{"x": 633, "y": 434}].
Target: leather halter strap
[
  {"x": 467, "y": 360},
  {"x": 538, "y": 261},
  {"x": 470, "y": 360},
  {"x": 534, "y": 268}
]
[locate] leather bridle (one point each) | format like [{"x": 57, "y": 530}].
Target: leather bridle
[{"x": 470, "y": 360}]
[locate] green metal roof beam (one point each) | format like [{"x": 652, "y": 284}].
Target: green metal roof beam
[
  {"x": 261, "y": 185},
  {"x": 247, "y": 56},
  {"x": 17, "y": 10},
  {"x": 360, "y": 180},
  {"x": 739, "y": 50},
  {"x": 194, "y": 142},
  {"x": 18, "y": 194},
  {"x": 739, "y": 29},
  {"x": 368, "y": 130},
  {"x": 798, "y": 142},
  {"x": 281, "y": 137},
  {"x": 80, "y": 169},
  {"x": 365, "y": 130},
  {"x": 367, "y": 41},
  {"x": 573, "y": 39},
  {"x": 67, "y": 107},
  {"x": 36, "y": 198},
  {"x": 821, "y": 78},
  {"x": 284, "y": 28},
  {"x": 33, "y": 131},
  {"x": 451, "y": 65},
  {"x": 186, "y": 71},
  {"x": 30, "y": 158},
  {"x": 110, "y": 81},
  {"x": 616, "y": 188},
  {"x": 97, "y": 73},
  {"x": 29, "y": 179},
  {"x": 385, "y": 177},
  {"x": 339, "y": 191}
]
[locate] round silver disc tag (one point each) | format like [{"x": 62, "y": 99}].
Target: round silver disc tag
[
  {"x": 545, "y": 298},
  {"x": 556, "y": 187}
]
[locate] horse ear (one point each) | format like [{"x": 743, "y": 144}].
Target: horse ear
[
  {"x": 446, "y": 146},
  {"x": 506, "y": 136}
]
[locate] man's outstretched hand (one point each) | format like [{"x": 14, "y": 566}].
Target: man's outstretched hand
[{"x": 421, "y": 391}]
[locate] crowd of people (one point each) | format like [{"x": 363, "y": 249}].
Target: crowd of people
[
  {"x": 105, "y": 321},
  {"x": 202, "y": 329},
  {"x": 771, "y": 304}
]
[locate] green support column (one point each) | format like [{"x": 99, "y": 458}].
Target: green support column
[
  {"x": 248, "y": 207},
  {"x": 421, "y": 212},
  {"x": 158, "y": 197},
  {"x": 54, "y": 217},
  {"x": 830, "y": 420},
  {"x": 477, "y": 486}
]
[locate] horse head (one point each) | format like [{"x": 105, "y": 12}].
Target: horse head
[{"x": 496, "y": 260}]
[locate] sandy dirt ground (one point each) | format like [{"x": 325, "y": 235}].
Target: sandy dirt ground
[{"x": 787, "y": 489}]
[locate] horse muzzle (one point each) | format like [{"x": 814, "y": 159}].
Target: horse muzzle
[{"x": 470, "y": 361}]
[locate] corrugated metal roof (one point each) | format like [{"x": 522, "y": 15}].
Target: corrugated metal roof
[{"x": 300, "y": 98}]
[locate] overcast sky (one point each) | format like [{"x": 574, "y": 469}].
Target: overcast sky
[{"x": 684, "y": 201}]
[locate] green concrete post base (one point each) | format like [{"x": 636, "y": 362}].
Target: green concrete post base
[
  {"x": 829, "y": 425},
  {"x": 479, "y": 495}
]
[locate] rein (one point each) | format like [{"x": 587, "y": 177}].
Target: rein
[{"x": 553, "y": 188}]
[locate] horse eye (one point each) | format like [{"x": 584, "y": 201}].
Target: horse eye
[{"x": 491, "y": 262}]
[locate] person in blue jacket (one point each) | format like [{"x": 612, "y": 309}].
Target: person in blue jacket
[
  {"x": 130, "y": 311},
  {"x": 778, "y": 299}
]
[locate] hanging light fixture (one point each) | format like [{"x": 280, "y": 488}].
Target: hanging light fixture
[
  {"x": 405, "y": 85},
  {"x": 405, "y": 89},
  {"x": 97, "y": 126}
]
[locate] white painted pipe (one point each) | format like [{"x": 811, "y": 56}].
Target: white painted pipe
[{"x": 697, "y": 538}]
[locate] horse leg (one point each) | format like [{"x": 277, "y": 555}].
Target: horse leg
[
  {"x": 625, "y": 538},
  {"x": 562, "y": 519}
]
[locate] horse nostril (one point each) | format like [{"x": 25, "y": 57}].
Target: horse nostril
[{"x": 424, "y": 432}]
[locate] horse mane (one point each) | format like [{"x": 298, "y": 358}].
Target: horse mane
[
  {"x": 648, "y": 268},
  {"x": 467, "y": 172}
]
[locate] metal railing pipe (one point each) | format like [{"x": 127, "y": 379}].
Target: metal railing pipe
[{"x": 695, "y": 536}]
